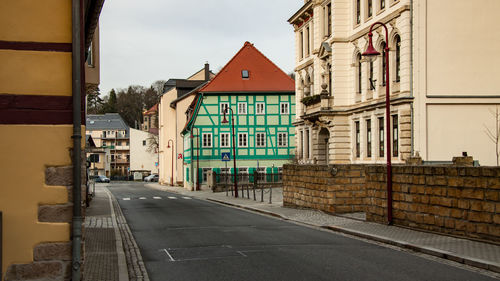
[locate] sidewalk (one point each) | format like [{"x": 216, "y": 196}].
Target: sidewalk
[
  {"x": 472, "y": 253},
  {"x": 109, "y": 244}
]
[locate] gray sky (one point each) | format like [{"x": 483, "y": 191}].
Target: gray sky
[{"x": 148, "y": 40}]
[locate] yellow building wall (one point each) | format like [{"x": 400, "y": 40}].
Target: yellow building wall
[{"x": 27, "y": 151}]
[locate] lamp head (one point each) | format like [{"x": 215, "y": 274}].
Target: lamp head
[
  {"x": 370, "y": 53},
  {"x": 225, "y": 121}
]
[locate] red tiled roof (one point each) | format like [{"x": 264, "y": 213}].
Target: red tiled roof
[
  {"x": 152, "y": 110},
  {"x": 264, "y": 75}
]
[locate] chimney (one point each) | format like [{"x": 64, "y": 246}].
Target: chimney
[{"x": 207, "y": 71}]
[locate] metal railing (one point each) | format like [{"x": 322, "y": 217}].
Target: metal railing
[{"x": 249, "y": 185}]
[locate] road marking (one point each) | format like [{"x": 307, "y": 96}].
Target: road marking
[
  {"x": 142, "y": 198},
  {"x": 187, "y": 198},
  {"x": 157, "y": 198},
  {"x": 126, "y": 199},
  {"x": 172, "y": 197},
  {"x": 169, "y": 255}
]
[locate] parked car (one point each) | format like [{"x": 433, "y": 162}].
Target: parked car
[
  {"x": 152, "y": 178},
  {"x": 101, "y": 179}
]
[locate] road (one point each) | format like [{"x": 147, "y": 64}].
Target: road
[{"x": 183, "y": 238}]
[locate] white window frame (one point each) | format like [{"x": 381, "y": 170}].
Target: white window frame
[
  {"x": 222, "y": 106},
  {"x": 242, "y": 110},
  {"x": 204, "y": 174},
  {"x": 261, "y": 173},
  {"x": 228, "y": 139},
  {"x": 284, "y": 105},
  {"x": 282, "y": 139},
  {"x": 260, "y": 112},
  {"x": 206, "y": 140},
  {"x": 244, "y": 174},
  {"x": 240, "y": 139},
  {"x": 257, "y": 139}
]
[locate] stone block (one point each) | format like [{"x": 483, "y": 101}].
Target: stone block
[
  {"x": 467, "y": 161},
  {"x": 459, "y": 214},
  {"x": 479, "y": 217},
  {"x": 59, "y": 176},
  {"x": 494, "y": 183},
  {"x": 449, "y": 223},
  {"x": 35, "y": 271},
  {"x": 52, "y": 251},
  {"x": 456, "y": 182},
  {"x": 55, "y": 213},
  {"x": 473, "y": 193}
]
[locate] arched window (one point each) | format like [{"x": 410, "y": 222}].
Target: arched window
[
  {"x": 358, "y": 73},
  {"x": 383, "y": 63},
  {"x": 397, "y": 43}
]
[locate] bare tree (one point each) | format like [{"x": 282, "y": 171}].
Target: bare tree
[
  {"x": 494, "y": 135},
  {"x": 153, "y": 142}
]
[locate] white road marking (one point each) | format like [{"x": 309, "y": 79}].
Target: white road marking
[
  {"x": 142, "y": 198},
  {"x": 169, "y": 255},
  {"x": 126, "y": 199},
  {"x": 157, "y": 198},
  {"x": 187, "y": 198},
  {"x": 172, "y": 197}
]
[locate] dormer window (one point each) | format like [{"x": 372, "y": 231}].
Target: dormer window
[{"x": 245, "y": 74}]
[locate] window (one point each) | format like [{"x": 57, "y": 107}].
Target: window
[
  {"x": 382, "y": 4},
  {"x": 90, "y": 55},
  {"x": 358, "y": 73},
  {"x": 280, "y": 173},
  {"x": 397, "y": 41},
  {"x": 223, "y": 107},
  {"x": 282, "y": 139},
  {"x": 329, "y": 19},
  {"x": 225, "y": 174},
  {"x": 245, "y": 74},
  {"x": 260, "y": 139},
  {"x": 207, "y": 139},
  {"x": 381, "y": 136},
  {"x": 104, "y": 134},
  {"x": 358, "y": 139},
  {"x": 260, "y": 108},
  {"x": 368, "y": 138},
  {"x": 284, "y": 108},
  {"x": 205, "y": 174},
  {"x": 143, "y": 143},
  {"x": 358, "y": 11},
  {"x": 370, "y": 8},
  {"x": 308, "y": 48},
  {"x": 383, "y": 78},
  {"x": 242, "y": 108},
  {"x": 243, "y": 174},
  {"x": 372, "y": 82},
  {"x": 395, "y": 136},
  {"x": 261, "y": 176},
  {"x": 242, "y": 140},
  {"x": 224, "y": 140},
  {"x": 301, "y": 45}
]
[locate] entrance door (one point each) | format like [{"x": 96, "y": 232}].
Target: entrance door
[{"x": 323, "y": 151}]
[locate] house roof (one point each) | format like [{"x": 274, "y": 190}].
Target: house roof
[
  {"x": 153, "y": 110},
  {"x": 108, "y": 121},
  {"x": 264, "y": 75}
]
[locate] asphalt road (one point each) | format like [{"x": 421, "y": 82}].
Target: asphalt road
[{"x": 183, "y": 238}]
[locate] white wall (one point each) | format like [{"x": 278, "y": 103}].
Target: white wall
[{"x": 140, "y": 158}]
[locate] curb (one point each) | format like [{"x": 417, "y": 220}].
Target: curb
[{"x": 425, "y": 250}]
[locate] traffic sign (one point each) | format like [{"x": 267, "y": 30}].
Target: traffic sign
[{"x": 226, "y": 156}]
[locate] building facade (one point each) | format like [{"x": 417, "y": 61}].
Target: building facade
[
  {"x": 341, "y": 95},
  {"x": 41, "y": 96},
  {"x": 143, "y": 152},
  {"x": 110, "y": 132},
  {"x": 173, "y": 104},
  {"x": 259, "y": 98}
]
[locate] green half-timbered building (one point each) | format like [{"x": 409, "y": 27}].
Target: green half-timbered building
[{"x": 261, "y": 101}]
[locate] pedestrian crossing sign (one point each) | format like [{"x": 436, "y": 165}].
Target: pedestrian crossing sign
[{"x": 226, "y": 156}]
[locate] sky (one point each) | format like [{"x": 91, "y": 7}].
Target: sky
[{"x": 149, "y": 40}]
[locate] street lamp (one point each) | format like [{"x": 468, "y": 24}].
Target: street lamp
[
  {"x": 172, "y": 168},
  {"x": 371, "y": 53},
  {"x": 197, "y": 188},
  {"x": 225, "y": 121}
]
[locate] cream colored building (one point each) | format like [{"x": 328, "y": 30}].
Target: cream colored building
[
  {"x": 143, "y": 154},
  {"x": 442, "y": 75},
  {"x": 171, "y": 110}
]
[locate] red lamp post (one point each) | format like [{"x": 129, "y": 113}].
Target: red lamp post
[
  {"x": 371, "y": 53},
  {"x": 225, "y": 121},
  {"x": 172, "y": 168},
  {"x": 197, "y": 187}
]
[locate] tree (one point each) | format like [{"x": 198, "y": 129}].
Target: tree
[
  {"x": 130, "y": 104},
  {"x": 150, "y": 98},
  {"x": 153, "y": 143},
  {"x": 110, "y": 103},
  {"x": 94, "y": 102},
  {"x": 494, "y": 135}
]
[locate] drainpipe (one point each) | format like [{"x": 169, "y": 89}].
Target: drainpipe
[
  {"x": 77, "y": 85},
  {"x": 412, "y": 145}
]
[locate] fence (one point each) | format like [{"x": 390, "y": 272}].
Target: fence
[{"x": 249, "y": 185}]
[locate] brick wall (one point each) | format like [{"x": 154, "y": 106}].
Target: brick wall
[
  {"x": 454, "y": 200},
  {"x": 334, "y": 189}
]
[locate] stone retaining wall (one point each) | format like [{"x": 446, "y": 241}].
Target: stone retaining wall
[
  {"x": 455, "y": 200},
  {"x": 334, "y": 189}
]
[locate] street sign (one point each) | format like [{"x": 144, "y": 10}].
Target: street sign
[
  {"x": 179, "y": 156},
  {"x": 156, "y": 164},
  {"x": 226, "y": 156}
]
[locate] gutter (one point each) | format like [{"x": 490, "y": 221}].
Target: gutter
[
  {"x": 77, "y": 86},
  {"x": 412, "y": 110}
]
